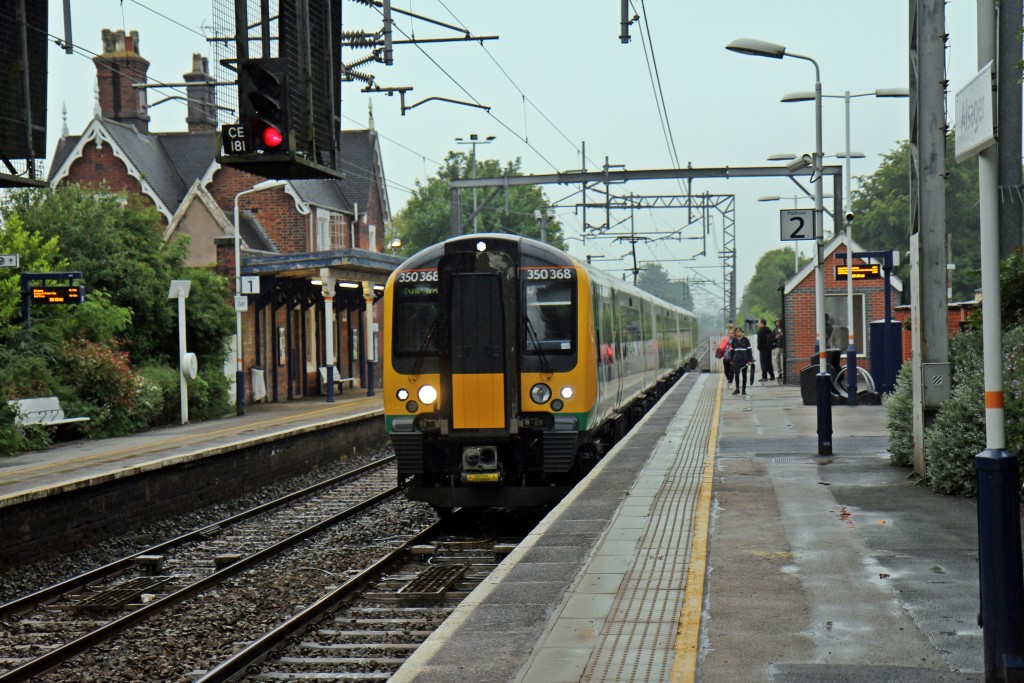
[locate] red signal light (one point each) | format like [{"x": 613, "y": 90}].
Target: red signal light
[{"x": 272, "y": 137}]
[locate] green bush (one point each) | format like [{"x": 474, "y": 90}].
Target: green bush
[
  {"x": 98, "y": 382},
  {"x": 208, "y": 396},
  {"x": 15, "y": 439},
  {"x": 958, "y": 433},
  {"x": 900, "y": 417},
  {"x": 160, "y": 396}
]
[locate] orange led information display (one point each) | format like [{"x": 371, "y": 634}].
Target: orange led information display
[
  {"x": 72, "y": 294},
  {"x": 871, "y": 271}
]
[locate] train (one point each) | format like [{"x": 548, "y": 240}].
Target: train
[{"x": 510, "y": 368}]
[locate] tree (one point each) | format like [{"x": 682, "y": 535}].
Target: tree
[
  {"x": 761, "y": 298},
  {"x": 654, "y": 279},
  {"x": 426, "y": 218},
  {"x": 881, "y": 206},
  {"x": 117, "y": 242}
]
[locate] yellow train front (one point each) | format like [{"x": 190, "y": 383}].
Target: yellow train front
[{"x": 510, "y": 368}]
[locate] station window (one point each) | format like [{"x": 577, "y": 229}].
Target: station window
[{"x": 835, "y": 310}]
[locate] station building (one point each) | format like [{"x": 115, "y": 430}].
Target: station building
[
  {"x": 292, "y": 238},
  {"x": 798, "y": 299}
]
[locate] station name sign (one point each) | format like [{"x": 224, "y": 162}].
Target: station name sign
[
  {"x": 866, "y": 271},
  {"x": 64, "y": 294}
]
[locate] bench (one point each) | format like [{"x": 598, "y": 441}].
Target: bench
[
  {"x": 41, "y": 411},
  {"x": 338, "y": 379}
]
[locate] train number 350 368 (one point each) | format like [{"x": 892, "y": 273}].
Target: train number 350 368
[
  {"x": 548, "y": 273},
  {"x": 417, "y": 276}
]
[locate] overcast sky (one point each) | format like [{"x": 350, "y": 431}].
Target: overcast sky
[{"x": 558, "y": 76}]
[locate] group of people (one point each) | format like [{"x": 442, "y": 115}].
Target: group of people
[{"x": 738, "y": 357}]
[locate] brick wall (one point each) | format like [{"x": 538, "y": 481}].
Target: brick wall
[
  {"x": 800, "y": 314},
  {"x": 97, "y": 166}
]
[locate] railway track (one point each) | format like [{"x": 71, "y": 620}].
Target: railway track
[
  {"x": 366, "y": 628},
  {"x": 40, "y": 632}
]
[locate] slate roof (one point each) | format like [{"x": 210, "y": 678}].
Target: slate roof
[
  {"x": 252, "y": 233},
  {"x": 171, "y": 162}
]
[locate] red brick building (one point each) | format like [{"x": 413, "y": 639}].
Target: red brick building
[
  {"x": 306, "y": 230},
  {"x": 799, "y": 310}
]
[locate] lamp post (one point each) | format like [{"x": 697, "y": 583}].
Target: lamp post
[
  {"x": 475, "y": 140},
  {"x": 239, "y": 372},
  {"x": 851, "y": 347},
  {"x": 760, "y": 48}
]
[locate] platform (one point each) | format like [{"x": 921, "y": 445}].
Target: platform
[
  {"x": 76, "y": 463},
  {"x": 714, "y": 544}
]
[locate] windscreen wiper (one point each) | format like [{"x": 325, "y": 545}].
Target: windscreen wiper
[{"x": 532, "y": 333}]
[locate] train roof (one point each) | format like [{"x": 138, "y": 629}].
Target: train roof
[
  {"x": 527, "y": 246},
  {"x": 544, "y": 252}
]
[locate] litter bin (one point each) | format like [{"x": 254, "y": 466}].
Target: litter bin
[{"x": 809, "y": 384}]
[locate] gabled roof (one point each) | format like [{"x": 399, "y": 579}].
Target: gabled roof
[
  {"x": 165, "y": 164},
  {"x": 829, "y": 247},
  {"x": 360, "y": 159}
]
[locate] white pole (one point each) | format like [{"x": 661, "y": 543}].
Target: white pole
[
  {"x": 239, "y": 373},
  {"x": 181, "y": 360},
  {"x": 851, "y": 345}
]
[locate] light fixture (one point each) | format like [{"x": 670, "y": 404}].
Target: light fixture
[{"x": 349, "y": 285}]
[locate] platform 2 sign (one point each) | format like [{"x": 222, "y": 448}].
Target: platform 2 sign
[
  {"x": 64, "y": 294},
  {"x": 868, "y": 271}
]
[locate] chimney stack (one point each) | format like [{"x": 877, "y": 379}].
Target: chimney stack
[
  {"x": 202, "y": 105},
  {"x": 117, "y": 69}
]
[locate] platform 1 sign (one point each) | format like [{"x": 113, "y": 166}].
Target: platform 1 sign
[{"x": 9, "y": 260}]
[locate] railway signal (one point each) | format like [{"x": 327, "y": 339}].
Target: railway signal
[{"x": 263, "y": 103}]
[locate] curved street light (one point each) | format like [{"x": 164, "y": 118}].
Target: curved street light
[
  {"x": 851, "y": 347},
  {"x": 760, "y": 48}
]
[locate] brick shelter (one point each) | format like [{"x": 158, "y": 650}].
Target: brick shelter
[
  {"x": 289, "y": 236},
  {"x": 799, "y": 309}
]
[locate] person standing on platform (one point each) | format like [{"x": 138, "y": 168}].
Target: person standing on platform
[
  {"x": 778, "y": 346},
  {"x": 742, "y": 358},
  {"x": 764, "y": 349},
  {"x": 724, "y": 352}
]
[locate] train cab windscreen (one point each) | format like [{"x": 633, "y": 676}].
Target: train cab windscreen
[
  {"x": 414, "y": 345},
  {"x": 549, "y": 296}
]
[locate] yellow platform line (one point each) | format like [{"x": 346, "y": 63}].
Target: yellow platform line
[
  {"x": 157, "y": 445},
  {"x": 684, "y": 664}
]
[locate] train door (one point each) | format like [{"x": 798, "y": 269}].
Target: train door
[
  {"x": 478, "y": 352},
  {"x": 478, "y": 324}
]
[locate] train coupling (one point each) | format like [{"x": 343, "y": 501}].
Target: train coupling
[{"x": 480, "y": 465}]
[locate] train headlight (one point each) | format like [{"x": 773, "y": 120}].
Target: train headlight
[
  {"x": 427, "y": 394},
  {"x": 540, "y": 393},
  {"x": 402, "y": 394},
  {"x": 566, "y": 393}
]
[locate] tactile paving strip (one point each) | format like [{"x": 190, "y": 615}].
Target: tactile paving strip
[{"x": 630, "y": 636}]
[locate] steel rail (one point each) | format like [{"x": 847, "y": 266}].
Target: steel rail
[
  {"x": 28, "y": 602},
  {"x": 58, "y": 656},
  {"x": 257, "y": 650}
]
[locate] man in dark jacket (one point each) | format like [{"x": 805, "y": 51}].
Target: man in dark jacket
[
  {"x": 741, "y": 358},
  {"x": 765, "y": 337}
]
